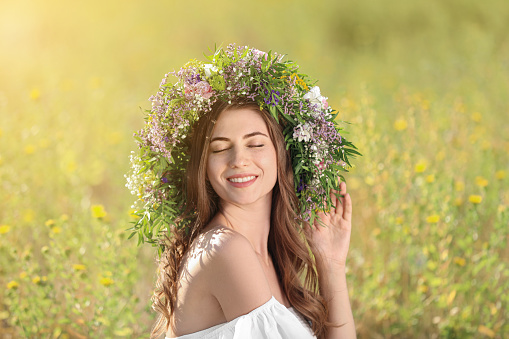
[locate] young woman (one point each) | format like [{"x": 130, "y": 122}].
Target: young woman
[{"x": 240, "y": 260}]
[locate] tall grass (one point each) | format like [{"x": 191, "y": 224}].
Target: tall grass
[{"x": 424, "y": 84}]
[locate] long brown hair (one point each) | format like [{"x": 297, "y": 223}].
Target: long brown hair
[{"x": 288, "y": 245}]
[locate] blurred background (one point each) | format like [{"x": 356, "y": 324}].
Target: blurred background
[{"x": 424, "y": 85}]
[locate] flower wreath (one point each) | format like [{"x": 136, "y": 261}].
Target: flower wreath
[{"x": 318, "y": 151}]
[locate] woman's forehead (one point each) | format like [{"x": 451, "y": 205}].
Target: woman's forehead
[{"x": 239, "y": 122}]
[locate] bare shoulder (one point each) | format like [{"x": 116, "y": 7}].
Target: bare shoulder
[{"x": 236, "y": 277}]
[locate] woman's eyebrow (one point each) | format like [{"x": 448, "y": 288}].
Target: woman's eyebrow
[{"x": 244, "y": 137}]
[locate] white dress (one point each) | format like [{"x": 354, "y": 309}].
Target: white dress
[{"x": 271, "y": 320}]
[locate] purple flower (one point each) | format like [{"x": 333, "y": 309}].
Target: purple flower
[
  {"x": 272, "y": 98},
  {"x": 301, "y": 186}
]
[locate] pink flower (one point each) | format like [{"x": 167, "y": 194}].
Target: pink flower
[
  {"x": 203, "y": 88},
  {"x": 325, "y": 104}
]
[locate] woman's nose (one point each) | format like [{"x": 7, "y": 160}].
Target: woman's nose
[{"x": 239, "y": 157}]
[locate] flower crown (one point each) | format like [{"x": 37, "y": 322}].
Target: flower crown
[{"x": 318, "y": 152}]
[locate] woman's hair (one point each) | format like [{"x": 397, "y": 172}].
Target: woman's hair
[{"x": 288, "y": 246}]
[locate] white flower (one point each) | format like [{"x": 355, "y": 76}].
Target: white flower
[
  {"x": 257, "y": 54},
  {"x": 315, "y": 97},
  {"x": 303, "y": 132},
  {"x": 209, "y": 68}
]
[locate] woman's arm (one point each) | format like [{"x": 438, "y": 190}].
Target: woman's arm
[
  {"x": 333, "y": 287},
  {"x": 331, "y": 243}
]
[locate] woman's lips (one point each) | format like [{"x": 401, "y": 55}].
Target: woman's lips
[{"x": 242, "y": 181}]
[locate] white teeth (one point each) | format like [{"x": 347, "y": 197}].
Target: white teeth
[{"x": 244, "y": 179}]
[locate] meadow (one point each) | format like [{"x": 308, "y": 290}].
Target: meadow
[{"x": 423, "y": 84}]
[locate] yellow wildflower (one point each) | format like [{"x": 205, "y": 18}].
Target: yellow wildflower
[
  {"x": 500, "y": 174},
  {"x": 493, "y": 309},
  {"x": 481, "y": 182},
  {"x": 193, "y": 63},
  {"x": 476, "y": 116},
  {"x": 56, "y": 229},
  {"x": 399, "y": 220},
  {"x": 132, "y": 214},
  {"x": 36, "y": 279},
  {"x": 4, "y": 229},
  {"x": 475, "y": 199},
  {"x": 486, "y": 331},
  {"x": 299, "y": 81},
  {"x": 79, "y": 267},
  {"x": 50, "y": 222},
  {"x": 44, "y": 278},
  {"x": 123, "y": 332},
  {"x": 400, "y": 125},
  {"x": 420, "y": 166},
  {"x": 458, "y": 202},
  {"x": 35, "y": 94},
  {"x": 106, "y": 281},
  {"x": 12, "y": 285},
  {"x": 450, "y": 297},
  {"x": 29, "y": 149},
  {"x": 459, "y": 261},
  {"x": 98, "y": 211},
  {"x": 430, "y": 178},
  {"x": 64, "y": 217},
  {"x": 433, "y": 219},
  {"x": 23, "y": 275},
  {"x": 423, "y": 288},
  {"x": 70, "y": 166}
]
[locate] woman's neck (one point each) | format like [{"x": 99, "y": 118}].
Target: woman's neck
[{"x": 252, "y": 221}]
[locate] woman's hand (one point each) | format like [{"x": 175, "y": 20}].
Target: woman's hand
[{"x": 332, "y": 241}]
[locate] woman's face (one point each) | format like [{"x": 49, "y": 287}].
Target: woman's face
[{"x": 242, "y": 161}]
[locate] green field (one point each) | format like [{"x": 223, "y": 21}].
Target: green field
[{"x": 424, "y": 84}]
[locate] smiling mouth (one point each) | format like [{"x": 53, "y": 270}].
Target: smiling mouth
[{"x": 243, "y": 179}]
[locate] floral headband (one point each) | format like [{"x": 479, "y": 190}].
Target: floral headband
[{"x": 318, "y": 151}]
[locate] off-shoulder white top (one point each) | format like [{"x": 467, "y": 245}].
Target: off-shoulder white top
[{"x": 271, "y": 320}]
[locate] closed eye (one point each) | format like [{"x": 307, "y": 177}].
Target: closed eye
[
  {"x": 220, "y": 150},
  {"x": 225, "y": 149}
]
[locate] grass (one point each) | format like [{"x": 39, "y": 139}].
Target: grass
[{"x": 424, "y": 85}]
